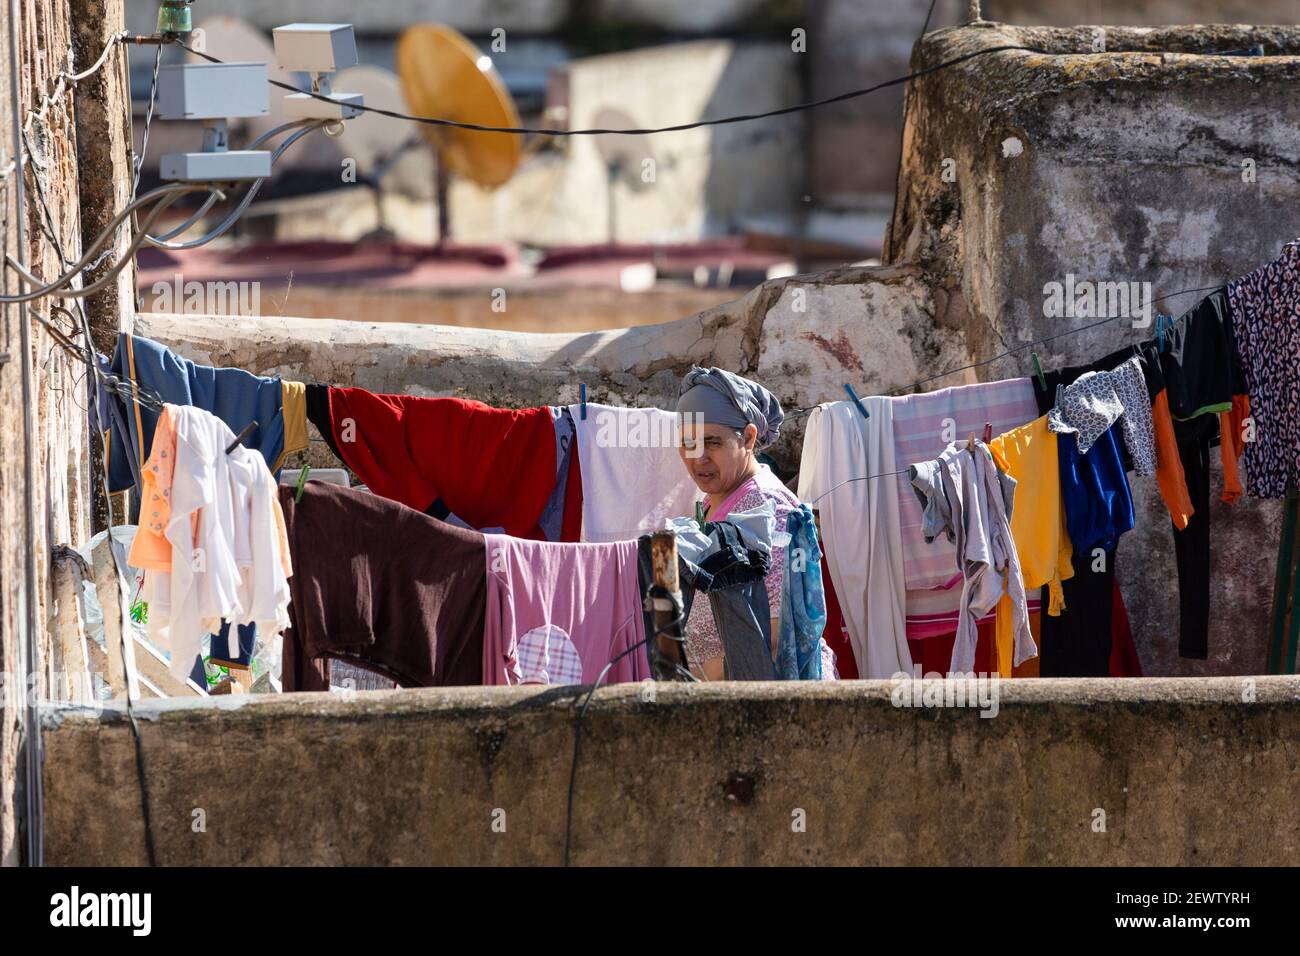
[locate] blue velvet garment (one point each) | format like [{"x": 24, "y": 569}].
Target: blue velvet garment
[
  {"x": 803, "y": 602},
  {"x": 233, "y": 395},
  {"x": 1094, "y": 492}
]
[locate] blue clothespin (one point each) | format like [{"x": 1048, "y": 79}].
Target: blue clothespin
[
  {"x": 582, "y": 398},
  {"x": 1162, "y": 321},
  {"x": 853, "y": 397}
]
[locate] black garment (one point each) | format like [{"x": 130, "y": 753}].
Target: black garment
[
  {"x": 1077, "y": 643},
  {"x": 733, "y": 577},
  {"x": 1200, "y": 362},
  {"x": 1192, "y": 544},
  {"x": 318, "y": 413}
]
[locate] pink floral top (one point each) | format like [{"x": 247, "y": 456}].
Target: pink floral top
[{"x": 702, "y": 640}]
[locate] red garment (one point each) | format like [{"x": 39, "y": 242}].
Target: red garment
[
  {"x": 934, "y": 654},
  {"x": 835, "y": 633},
  {"x": 1123, "y": 652},
  {"x": 492, "y": 467},
  {"x": 571, "y": 526}
]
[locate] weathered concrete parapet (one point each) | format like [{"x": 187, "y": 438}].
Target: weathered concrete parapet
[
  {"x": 1159, "y": 160},
  {"x": 1069, "y": 772},
  {"x": 1115, "y": 153},
  {"x": 803, "y": 337}
]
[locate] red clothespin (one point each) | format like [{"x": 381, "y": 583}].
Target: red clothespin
[{"x": 988, "y": 432}]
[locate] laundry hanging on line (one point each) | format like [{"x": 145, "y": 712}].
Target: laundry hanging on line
[{"x": 1233, "y": 336}]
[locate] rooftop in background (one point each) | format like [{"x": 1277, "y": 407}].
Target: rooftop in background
[{"x": 570, "y": 288}]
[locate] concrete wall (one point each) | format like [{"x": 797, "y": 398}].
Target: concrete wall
[
  {"x": 1135, "y": 772},
  {"x": 803, "y": 337},
  {"x": 1127, "y": 166}
]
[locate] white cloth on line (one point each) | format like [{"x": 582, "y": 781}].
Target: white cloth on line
[
  {"x": 226, "y": 560},
  {"x": 860, "y": 527},
  {"x": 633, "y": 479}
]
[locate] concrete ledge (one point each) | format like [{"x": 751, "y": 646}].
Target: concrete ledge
[
  {"x": 1185, "y": 771},
  {"x": 803, "y": 337}
]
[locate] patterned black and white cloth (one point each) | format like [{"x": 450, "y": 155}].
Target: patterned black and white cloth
[
  {"x": 1266, "y": 324},
  {"x": 1096, "y": 400}
]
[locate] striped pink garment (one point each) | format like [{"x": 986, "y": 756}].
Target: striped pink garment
[
  {"x": 921, "y": 432},
  {"x": 923, "y": 427},
  {"x": 934, "y": 612}
]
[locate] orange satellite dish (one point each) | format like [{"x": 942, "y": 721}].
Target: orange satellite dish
[{"x": 444, "y": 76}]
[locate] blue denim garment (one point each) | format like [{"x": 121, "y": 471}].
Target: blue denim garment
[{"x": 803, "y": 602}]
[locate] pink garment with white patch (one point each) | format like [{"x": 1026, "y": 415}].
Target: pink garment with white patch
[{"x": 540, "y": 591}]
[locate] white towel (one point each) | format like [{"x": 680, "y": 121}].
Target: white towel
[
  {"x": 633, "y": 479},
  {"x": 860, "y": 528}
]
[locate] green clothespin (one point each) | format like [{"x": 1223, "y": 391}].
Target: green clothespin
[
  {"x": 302, "y": 483},
  {"x": 699, "y": 516},
  {"x": 1038, "y": 371}
]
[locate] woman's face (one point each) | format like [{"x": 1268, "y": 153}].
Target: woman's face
[{"x": 718, "y": 458}]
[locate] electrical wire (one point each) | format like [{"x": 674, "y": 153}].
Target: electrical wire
[
  {"x": 29, "y": 651},
  {"x": 115, "y": 39},
  {"x": 75, "y": 293},
  {"x": 148, "y": 121},
  {"x": 1012, "y": 351},
  {"x": 161, "y": 241},
  {"x": 676, "y": 128},
  {"x": 215, "y": 194},
  {"x": 164, "y": 197},
  {"x": 582, "y": 712}
]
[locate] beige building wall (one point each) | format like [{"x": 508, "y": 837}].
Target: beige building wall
[{"x": 58, "y": 492}]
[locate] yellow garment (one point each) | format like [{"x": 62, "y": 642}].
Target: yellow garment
[
  {"x": 293, "y": 401},
  {"x": 1028, "y": 454}
]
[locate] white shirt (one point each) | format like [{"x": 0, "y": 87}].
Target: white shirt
[{"x": 224, "y": 541}]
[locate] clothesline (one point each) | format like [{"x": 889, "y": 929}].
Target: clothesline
[{"x": 1011, "y": 351}]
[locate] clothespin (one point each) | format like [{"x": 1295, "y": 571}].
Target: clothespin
[
  {"x": 853, "y": 397},
  {"x": 1038, "y": 371},
  {"x": 582, "y": 400},
  {"x": 970, "y": 443},
  {"x": 302, "y": 483},
  {"x": 1164, "y": 323},
  {"x": 248, "y": 430},
  {"x": 988, "y": 432}
]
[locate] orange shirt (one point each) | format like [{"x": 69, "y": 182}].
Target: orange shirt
[
  {"x": 151, "y": 551},
  {"x": 1232, "y": 443},
  {"x": 1169, "y": 465}
]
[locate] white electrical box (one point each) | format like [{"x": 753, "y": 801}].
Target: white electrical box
[
  {"x": 315, "y": 47},
  {"x": 207, "y": 91},
  {"x": 341, "y": 106},
  {"x": 220, "y": 167}
]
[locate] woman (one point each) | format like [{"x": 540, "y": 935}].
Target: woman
[{"x": 725, "y": 421}]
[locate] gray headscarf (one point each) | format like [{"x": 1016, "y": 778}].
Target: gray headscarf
[{"x": 724, "y": 398}]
